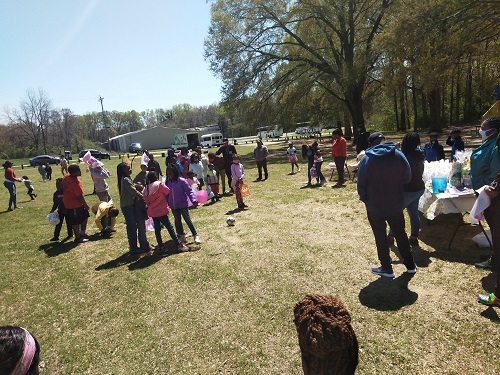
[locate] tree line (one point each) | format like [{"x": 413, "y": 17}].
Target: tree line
[{"x": 392, "y": 65}]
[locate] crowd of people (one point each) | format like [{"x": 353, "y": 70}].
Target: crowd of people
[{"x": 389, "y": 181}]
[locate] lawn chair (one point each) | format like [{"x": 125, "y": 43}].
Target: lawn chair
[
  {"x": 333, "y": 168},
  {"x": 353, "y": 166}
]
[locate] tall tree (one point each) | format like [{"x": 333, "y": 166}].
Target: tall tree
[{"x": 259, "y": 47}]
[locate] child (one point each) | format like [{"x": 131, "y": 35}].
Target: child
[
  {"x": 61, "y": 210},
  {"x": 48, "y": 170},
  {"x": 177, "y": 199},
  {"x": 455, "y": 141},
  {"x": 30, "y": 187},
  {"x": 318, "y": 161},
  {"x": 193, "y": 182},
  {"x": 99, "y": 175},
  {"x": 196, "y": 167},
  {"x": 292, "y": 156},
  {"x": 155, "y": 195},
  {"x": 213, "y": 182},
  {"x": 237, "y": 173},
  {"x": 432, "y": 149}
]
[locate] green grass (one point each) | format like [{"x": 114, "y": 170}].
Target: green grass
[{"x": 228, "y": 308}]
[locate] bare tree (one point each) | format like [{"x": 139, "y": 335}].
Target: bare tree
[{"x": 33, "y": 117}]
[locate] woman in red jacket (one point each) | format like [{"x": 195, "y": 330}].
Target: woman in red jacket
[
  {"x": 10, "y": 184},
  {"x": 339, "y": 153}
]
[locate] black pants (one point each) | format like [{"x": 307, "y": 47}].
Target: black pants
[
  {"x": 397, "y": 224},
  {"x": 262, "y": 164},
  {"x": 339, "y": 165},
  {"x": 57, "y": 229},
  {"x": 228, "y": 174}
]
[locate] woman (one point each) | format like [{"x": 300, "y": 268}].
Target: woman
[
  {"x": 130, "y": 197},
  {"x": 180, "y": 193},
  {"x": 19, "y": 351},
  {"x": 339, "y": 154},
  {"x": 484, "y": 170},
  {"x": 10, "y": 184},
  {"x": 410, "y": 146},
  {"x": 155, "y": 195}
]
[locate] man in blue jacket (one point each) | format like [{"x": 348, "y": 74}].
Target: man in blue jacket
[{"x": 382, "y": 174}]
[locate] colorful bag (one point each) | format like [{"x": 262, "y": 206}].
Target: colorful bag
[
  {"x": 245, "y": 190},
  {"x": 313, "y": 172}
]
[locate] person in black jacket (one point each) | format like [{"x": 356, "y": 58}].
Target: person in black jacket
[
  {"x": 455, "y": 141},
  {"x": 362, "y": 139},
  {"x": 227, "y": 152},
  {"x": 61, "y": 210}
]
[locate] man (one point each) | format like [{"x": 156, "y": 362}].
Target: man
[
  {"x": 105, "y": 216},
  {"x": 227, "y": 152},
  {"x": 260, "y": 154},
  {"x": 64, "y": 165},
  {"x": 77, "y": 210},
  {"x": 362, "y": 139},
  {"x": 382, "y": 173},
  {"x": 153, "y": 165}
]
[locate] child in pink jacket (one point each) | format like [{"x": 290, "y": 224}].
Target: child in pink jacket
[{"x": 155, "y": 195}]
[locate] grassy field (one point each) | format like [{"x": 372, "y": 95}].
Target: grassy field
[{"x": 228, "y": 308}]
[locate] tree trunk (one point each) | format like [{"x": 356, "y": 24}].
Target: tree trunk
[
  {"x": 402, "y": 111},
  {"x": 457, "y": 97},
  {"x": 415, "y": 107},
  {"x": 395, "y": 101},
  {"x": 425, "y": 117},
  {"x": 452, "y": 102},
  {"x": 434, "y": 108}
]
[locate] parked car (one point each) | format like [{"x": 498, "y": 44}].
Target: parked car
[
  {"x": 95, "y": 153},
  {"x": 44, "y": 159},
  {"x": 135, "y": 147}
]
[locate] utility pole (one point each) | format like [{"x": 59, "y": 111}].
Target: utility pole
[{"x": 105, "y": 122}]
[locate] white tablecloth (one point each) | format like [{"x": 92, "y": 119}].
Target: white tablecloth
[{"x": 432, "y": 205}]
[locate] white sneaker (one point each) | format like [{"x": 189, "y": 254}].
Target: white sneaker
[{"x": 197, "y": 239}]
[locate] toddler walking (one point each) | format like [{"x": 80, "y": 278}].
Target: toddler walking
[
  {"x": 237, "y": 173},
  {"x": 213, "y": 182},
  {"x": 29, "y": 186}
]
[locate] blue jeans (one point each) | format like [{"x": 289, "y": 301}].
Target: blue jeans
[
  {"x": 178, "y": 222},
  {"x": 166, "y": 222},
  {"x": 320, "y": 177},
  {"x": 11, "y": 187},
  {"x": 136, "y": 229},
  {"x": 411, "y": 199}
]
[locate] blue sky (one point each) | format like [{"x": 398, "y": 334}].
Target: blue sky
[{"x": 135, "y": 54}]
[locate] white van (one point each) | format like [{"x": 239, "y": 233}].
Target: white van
[{"x": 211, "y": 140}]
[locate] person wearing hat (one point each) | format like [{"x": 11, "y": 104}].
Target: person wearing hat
[
  {"x": 433, "y": 150},
  {"x": 260, "y": 154},
  {"x": 382, "y": 175},
  {"x": 99, "y": 175},
  {"x": 10, "y": 184},
  {"x": 227, "y": 151}
]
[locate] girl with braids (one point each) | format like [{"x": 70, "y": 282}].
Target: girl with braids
[
  {"x": 484, "y": 170},
  {"x": 410, "y": 146},
  {"x": 19, "y": 352}
]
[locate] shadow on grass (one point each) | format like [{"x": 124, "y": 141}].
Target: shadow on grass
[
  {"x": 385, "y": 294},
  {"x": 54, "y": 249},
  {"x": 421, "y": 257},
  {"x": 491, "y": 314},
  {"x": 438, "y": 232}
]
